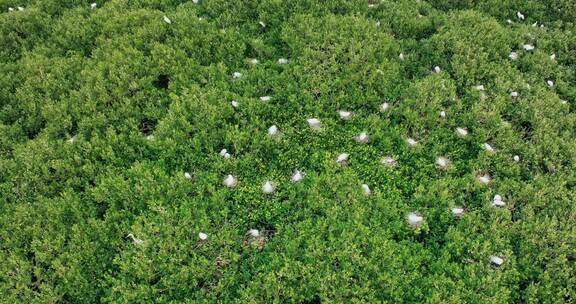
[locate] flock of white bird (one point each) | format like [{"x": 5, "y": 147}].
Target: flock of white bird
[{"x": 414, "y": 219}]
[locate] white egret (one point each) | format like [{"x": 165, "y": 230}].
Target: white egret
[
  {"x": 342, "y": 158},
  {"x": 461, "y": 132},
  {"x": 229, "y": 181},
  {"x": 267, "y": 187},
  {"x": 136, "y": 240}
]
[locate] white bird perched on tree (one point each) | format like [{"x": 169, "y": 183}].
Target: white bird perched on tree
[
  {"x": 401, "y": 56},
  {"x": 516, "y": 158},
  {"x": 496, "y": 260},
  {"x": 93, "y": 5},
  {"x": 414, "y": 219},
  {"x": 224, "y": 153},
  {"x": 488, "y": 147},
  {"x": 10, "y": 9},
  {"x": 187, "y": 175},
  {"x": 513, "y": 55},
  {"x": 443, "y": 114},
  {"x": 262, "y": 24},
  {"x": 442, "y": 162},
  {"x": 267, "y": 187},
  {"x": 150, "y": 137},
  {"x": 253, "y": 233},
  {"x": 437, "y": 69},
  {"x": 20, "y": 8},
  {"x": 366, "y": 189},
  {"x": 265, "y": 98},
  {"x": 461, "y": 132},
  {"x": 229, "y": 181},
  {"x": 497, "y": 201},
  {"x": 553, "y": 57},
  {"x": 195, "y": 1},
  {"x": 236, "y": 75},
  {"x": 514, "y": 94},
  {"x": 135, "y": 240},
  {"x": 520, "y": 15},
  {"x": 273, "y": 131},
  {"x": 253, "y": 61},
  {"x": 234, "y": 103},
  {"x": 167, "y": 20},
  {"x": 297, "y": 176},
  {"x": 345, "y": 114},
  {"x": 384, "y": 107},
  {"x": 282, "y": 61},
  {"x": 411, "y": 141},
  {"x": 528, "y": 47},
  {"x": 202, "y": 236},
  {"x": 508, "y": 21},
  {"x": 314, "y": 123},
  {"x": 484, "y": 178},
  {"x": 362, "y": 137},
  {"x": 550, "y": 83},
  {"x": 388, "y": 161},
  {"x": 457, "y": 211},
  {"x": 342, "y": 158},
  {"x": 479, "y": 87}
]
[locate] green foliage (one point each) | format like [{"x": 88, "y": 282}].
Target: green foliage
[{"x": 102, "y": 111}]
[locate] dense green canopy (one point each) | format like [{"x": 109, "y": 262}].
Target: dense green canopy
[{"x": 113, "y": 115}]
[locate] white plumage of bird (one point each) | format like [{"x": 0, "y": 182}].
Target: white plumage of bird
[
  {"x": 513, "y": 55},
  {"x": 273, "y": 131},
  {"x": 93, "y": 5},
  {"x": 229, "y": 181},
  {"x": 457, "y": 211},
  {"x": 282, "y": 61},
  {"x": 384, "y": 107},
  {"x": 442, "y": 162},
  {"x": 414, "y": 219},
  {"x": 388, "y": 161},
  {"x": 411, "y": 141},
  {"x": 267, "y": 187},
  {"x": 345, "y": 115},
  {"x": 362, "y": 137},
  {"x": 461, "y": 132},
  {"x": 366, "y": 189},
  {"x": 496, "y": 260},
  {"x": 187, "y": 175},
  {"x": 167, "y": 20},
  {"x": 520, "y": 15},
  {"x": 253, "y": 233},
  {"x": 528, "y": 47},
  {"x": 497, "y": 201},
  {"x": 297, "y": 176},
  {"x": 135, "y": 240},
  {"x": 342, "y": 158},
  {"x": 484, "y": 178},
  {"x": 202, "y": 236},
  {"x": 488, "y": 147},
  {"x": 314, "y": 123}
]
